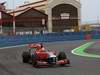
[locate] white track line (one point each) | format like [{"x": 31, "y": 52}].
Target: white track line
[{"x": 13, "y": 46}]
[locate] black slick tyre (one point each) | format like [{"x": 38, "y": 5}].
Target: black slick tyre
[{"x": 26, "y": 57}]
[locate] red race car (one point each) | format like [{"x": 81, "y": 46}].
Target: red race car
[{"x": 38, "y": 56}]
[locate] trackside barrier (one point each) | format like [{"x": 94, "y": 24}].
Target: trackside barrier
[
  {"x": 88, "y": 37},
  {"x": 47, "y": 37}
]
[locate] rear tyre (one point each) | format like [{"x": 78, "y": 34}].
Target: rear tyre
[{"x": 26, "y": 57}]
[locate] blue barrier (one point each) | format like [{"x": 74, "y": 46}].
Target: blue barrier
[{"x": 47, "y": 37}]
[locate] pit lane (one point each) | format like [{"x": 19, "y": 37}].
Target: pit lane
[{"x": 11, "y": 61}]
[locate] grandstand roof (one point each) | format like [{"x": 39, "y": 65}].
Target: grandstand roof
[
  {"x": 16, "y": 13},
  {"x": 25, "y": 7}
]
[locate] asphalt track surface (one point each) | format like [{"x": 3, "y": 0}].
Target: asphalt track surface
[{"x": 11, "y": 61}]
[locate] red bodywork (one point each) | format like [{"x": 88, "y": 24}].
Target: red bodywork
[
  {"x": 45, "y": 55},
  {"x": 42, "y": 55}
]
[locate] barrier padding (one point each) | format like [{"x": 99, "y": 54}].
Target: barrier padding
[{"x": 47, "y": 37}]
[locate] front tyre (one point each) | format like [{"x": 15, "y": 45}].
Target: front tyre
[
  {"x": 26, "y": 57},
  {"x": 61, "y": 56}
]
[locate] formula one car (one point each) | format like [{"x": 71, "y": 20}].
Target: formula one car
[{"x": 44, "y": 58}]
